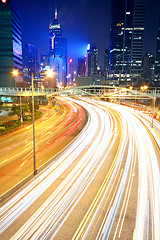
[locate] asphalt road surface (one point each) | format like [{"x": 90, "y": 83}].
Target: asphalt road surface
[
  {"x": 53, "y": 132},
  {"x": 104, "y": 185}
]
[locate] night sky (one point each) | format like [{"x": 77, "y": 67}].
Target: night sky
[{"x": 82, "y": 22}]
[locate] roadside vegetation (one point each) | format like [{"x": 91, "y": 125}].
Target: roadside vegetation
[{"x": 9, "y": 126}]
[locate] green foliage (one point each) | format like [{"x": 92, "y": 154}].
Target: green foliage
[
  {"x": 36, "y": 107},
  {"x": 15, "y": 110},
  {"x": 27, "y": 117},
  {"x": 2, "y": 128},
  {"x": 1, "y": 106},
  {"x": 38, "y": 114},
  {"x": 10, "y": 123},
  {"x": 9, "y": 126}
]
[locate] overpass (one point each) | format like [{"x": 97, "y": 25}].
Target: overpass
[{"x": 100, "y": 91}]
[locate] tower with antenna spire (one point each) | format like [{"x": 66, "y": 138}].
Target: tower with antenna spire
[
  {"x": 58, "y": 50},
  {"x": 56, "y": 14}
]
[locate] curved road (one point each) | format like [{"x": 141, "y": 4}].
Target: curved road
[
  {"x": 105, "y": 185},
  {"x": 53, "y": 131}
]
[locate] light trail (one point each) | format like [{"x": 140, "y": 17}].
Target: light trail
[
  {"x": 17, "y": 159},
  {"x": 108, "y": 125},
  {"x": 149, "y": 178}
]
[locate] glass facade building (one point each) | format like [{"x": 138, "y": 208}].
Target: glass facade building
[
  {"x": 126, "y": 39},
  {"x": 157, "y": 63},
  {"x": 148, "y": 68},
  {"x": 58, "y": 52},
  {"x": 10, "y": 45},
  {"x": 30, "y": 60},
  {"x": 91, "y": 61},
  {"x": 121, "y": 29},
  {"x": 137, "y": 39}
]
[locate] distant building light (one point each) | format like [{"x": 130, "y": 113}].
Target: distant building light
[
  {"x": 128, "y": 13},
  {"x": 88, "y": 47}
]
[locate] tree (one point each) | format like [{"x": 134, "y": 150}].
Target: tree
[
  {"x": 1, "y": 106},
  {"x": 36, "y": 107},
  {"x": 15, "y": 110}
]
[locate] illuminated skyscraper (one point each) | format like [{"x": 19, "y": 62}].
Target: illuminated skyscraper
[
  {"x": 157, "y": 63},
  {"x": 30, "y": 60},
  {"x": 58, "y": 51},
  {"x": 10, "y": 45},
  {"x": 137, "y": 39},
  {"x": 106, "y": 64},
  {"x": 91, "y": 61},
  {"x": 81, "y": 67},
  {"x": 45, "y": 61},
  {"x": 148, "y": 67},
  {"x": 126, "y": 39}
]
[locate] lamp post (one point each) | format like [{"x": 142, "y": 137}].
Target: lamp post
[
  {"x": 34, "y": 150},
  {"x": 16, "y": 73},
  {"x": 154, "y": 103},
  {"x": 49, "y": 73}
]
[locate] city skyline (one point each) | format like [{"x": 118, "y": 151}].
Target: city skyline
[
  {"x": 88, "y": 23},
  {"x": 79, "y": 147}
]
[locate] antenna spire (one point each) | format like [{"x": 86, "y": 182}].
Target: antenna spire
[{"x": 56, "y": 13}]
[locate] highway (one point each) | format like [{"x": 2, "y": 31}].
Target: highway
[
  {"x": 53, "y": 131},
  {"x": 104, "y": 185}
]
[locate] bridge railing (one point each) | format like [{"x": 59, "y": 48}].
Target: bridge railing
[{"x": 22, "y": 90}]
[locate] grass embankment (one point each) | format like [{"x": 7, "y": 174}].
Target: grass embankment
[{"x": 10, "y": 126}]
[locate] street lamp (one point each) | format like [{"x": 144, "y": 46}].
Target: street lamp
[
  {"x": 145, "y": 87},
  {"x": 49, "y": 73},
  {"x": 154, "y": 103},
  {"x": 16, "y": 73},
  {"x": 34, "y": 150}
]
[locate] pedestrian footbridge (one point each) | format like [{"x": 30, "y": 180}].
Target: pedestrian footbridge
[{"x": 100, "y": 91}]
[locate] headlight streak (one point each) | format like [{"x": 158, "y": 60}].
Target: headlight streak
[
  {"x": 153, "y": 174},
  {"x": 28, "y": 137},
  {"x": 148, "y": 173},
  {"x": 47, "y": 221},
  {"x": 82, "y": 141},
  {"x": 86, "y": 169},
  {"x": 86, "y": 218},
  {"x": 25, "y": 160},
  {"x": 108, "y": 223},
  {"x": 11, "y": 211}
]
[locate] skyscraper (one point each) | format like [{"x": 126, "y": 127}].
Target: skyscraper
[
  {"x": 45, "y": 61},
  {"x": 126, "y": 39},
  {"x": 157, "y": 63},
  {"x": 106, "y": 64},
  {"x": 91, "y": 61},
  {"x": 81, "y": 67},
  {"x": 148, "y": 67},
  {"x": 10, "y": 45},
  {"x": 137, "y": 39},
  {"x": 30, "y": 60},
  {"x": 58, "y": 51}
]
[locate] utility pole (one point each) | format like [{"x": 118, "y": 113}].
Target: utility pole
[
  {"x": 34, "y": 152},
  {"x": 154, "y": 103}
]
